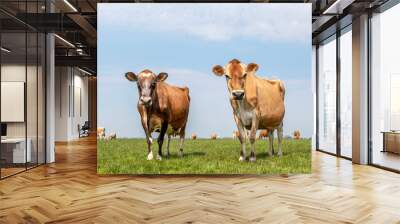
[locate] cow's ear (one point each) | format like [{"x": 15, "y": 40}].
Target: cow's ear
[
  {"x": 162, "y": 76},
  {"x": 131, "y": 76},
  {"x": 218, "y": 70},
  {"x": 252, "y": 67}
]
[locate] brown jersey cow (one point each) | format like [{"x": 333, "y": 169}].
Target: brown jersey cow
[
  {"x": 235, "y": 134},
  {"x": 296, "y": 135},
  {"x": 257, "y": 103},
  {"x": 163, "y": 108},
  {"x": 101, "y": 132}
]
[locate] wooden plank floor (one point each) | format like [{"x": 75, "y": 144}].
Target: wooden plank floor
[{"x": 70, "y": 191}]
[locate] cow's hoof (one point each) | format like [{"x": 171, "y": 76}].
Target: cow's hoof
[
  {"x": 252, "y": 159},
  {"x": 242, "y": 158},
  {"x": 150, "y": 156},
  {"x": 159, "y": 157}
]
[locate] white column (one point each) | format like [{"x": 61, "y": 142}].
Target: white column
[
  {"x": 50, "y": 92},
  {"x": 314, "y": 91},
  {"x": 360, "y": 90},
  {"x": 50, "y": 100}
]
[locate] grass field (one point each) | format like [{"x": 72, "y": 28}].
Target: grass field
[{"x": 201, "y": 156}]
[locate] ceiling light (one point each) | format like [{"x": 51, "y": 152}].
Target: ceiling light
[
  {"x": 84, "y": 71},
  {"x": 5, "y": 50},
  {"x": 79, "y": 51},
  {"x": 334, "y": 5},
  {"x": 338, "y": 6},
  {"x": 70, "y": 5},
  {"x": 65, "y": 41}
]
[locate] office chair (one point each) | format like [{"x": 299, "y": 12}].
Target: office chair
[{"x": 84, "y": 130}]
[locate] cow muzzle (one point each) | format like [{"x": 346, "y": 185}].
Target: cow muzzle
[
  {"x": 145, "y": 100},
  {"x": 238, "y": 94}
]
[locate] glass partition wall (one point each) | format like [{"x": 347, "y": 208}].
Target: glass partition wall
[
  {"x": 334, "y": 127},
  {"x": 345, "y": 61},
  {"x": 22, "y": 78},
  {"x": 13, "y": 89},
  {"x": 327, "y": 95},
  {"x": 334, "y": 84},
  {"x": 385, "y": 89}
]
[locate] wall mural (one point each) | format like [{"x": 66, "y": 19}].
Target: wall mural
[{"x": 204, "y": 88}]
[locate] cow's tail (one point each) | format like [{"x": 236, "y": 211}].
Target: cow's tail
[
  {"x": 282, "y": 88},
  {"x": 186, "y": 89},
  {"x": 183, "y": 129}
]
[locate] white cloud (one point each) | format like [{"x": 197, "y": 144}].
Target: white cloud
[{"x": 213, "y": 22}]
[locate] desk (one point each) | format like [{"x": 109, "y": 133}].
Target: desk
[
  {"x": 13, "y": 150},
  {"x": 391, "y": 141}
]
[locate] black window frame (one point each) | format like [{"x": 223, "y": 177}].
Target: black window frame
[{"x": 337, "y": 30}]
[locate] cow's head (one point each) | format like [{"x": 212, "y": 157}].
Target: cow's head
[
  {"x": 235, "y": 73},
  {"x": 146, "y": 83}
]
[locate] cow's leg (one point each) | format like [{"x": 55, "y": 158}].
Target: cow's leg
[
  {"x": 252, "y": 137},
  {"x": 160, "y": 139},
  {"x": 149, "y": 146},
  {"x": 242, "y": 139},
  {"x": 168, "y": 141},
  {"x": 149, "y": 143},
  {"x": 145, "y": 123},
  {"x": 182, "y": 139},
  {"x": 280, "y": 137},
  {"x": 271, "y": 143}
]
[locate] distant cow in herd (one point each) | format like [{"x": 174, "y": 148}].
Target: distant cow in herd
[
  {"x": 112, "y": 136},
  {"x": 296, "y": 135},
  {"x": 101, "y": 133},
  {"x": 263, "y": 134},
  {"x": 257, "y": 103},
  {"x": 214, "y": 136},
  {"x": 162, "y": 107},
  {"x": 194, "y": 136},
  {"x": 235, "y": 134}
]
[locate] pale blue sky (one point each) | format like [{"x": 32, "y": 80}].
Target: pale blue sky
[{"x": 186, "y": 41}]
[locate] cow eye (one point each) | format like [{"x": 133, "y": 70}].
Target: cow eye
[
  {"x": 244, "y": 75},
  {"x": 227, "y": 77},
  {"x": 153, "y": 85},
  {"x": 138, "y": 86}
]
